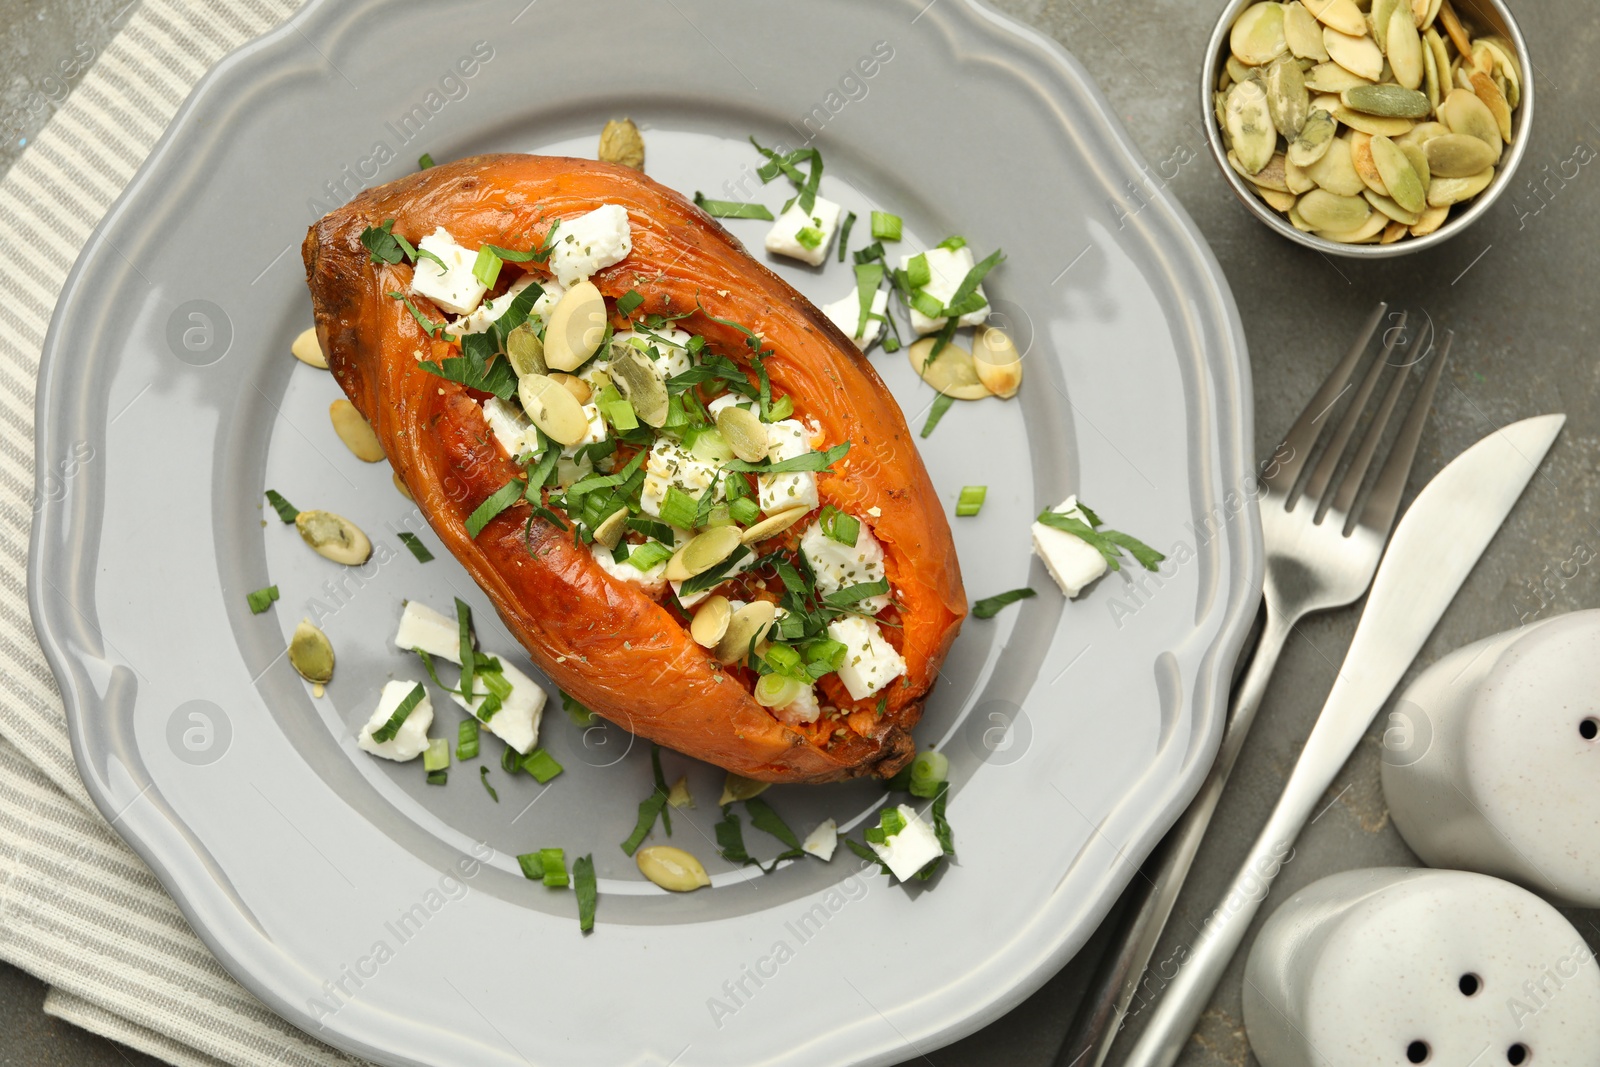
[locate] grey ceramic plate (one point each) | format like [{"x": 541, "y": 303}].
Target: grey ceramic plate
[{"x": 341, "y": 889}]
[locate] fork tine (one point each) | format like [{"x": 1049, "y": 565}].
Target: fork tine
[
  {"x": 1357, "y": 472},
  {"x": 1322, "y": 473},
  {"x": 1303, "y": 434},
  {"x": 1391, "y": 485}
]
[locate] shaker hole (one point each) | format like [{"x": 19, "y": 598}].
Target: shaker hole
[
  {"x": 1417, "y": 1052},
  {"x": 1469, "y": 985},
  {"x": 1589, "y": 729},
  {"x": 1517, "y": 1054}
]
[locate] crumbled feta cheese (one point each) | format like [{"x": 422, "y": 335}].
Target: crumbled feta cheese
[
  {"x": 803, "y": 708},
  {"x": 669, "y": 465},
  {"x": 846, "y": 314},
  {"x": 651, "y": 582},
  {"x": 422, "y": 628},
  {"x": 672, "y": 348},
  {"x": 839, "y": 566},
  {"x": 728, "y": 400},
  {"x": 910, "y": 850},
  {"x": 589, "y": 243},
  {"x": 823, "y": 840},
  {"x": 593, "y": 435},
  {"x": 455, "y": 289},
  {"x": 411, "y": 740},
  {"x": 779, "y": 492},
  {"x": 947, "y": 269},
  {"x": 1071, "y": 561},
  {"x": 870, "y": 662},
  {"x": 517, "y": 721},
  {"x": 784, "y": 239},
  {"x": 570, "y": 471},
  {"x": 510, "y": 426},
  {"x": 689, "y": 600},
  {"x": 491, "y": 310}
]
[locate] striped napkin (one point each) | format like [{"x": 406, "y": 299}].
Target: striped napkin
[{"x": 77, "y": 907}]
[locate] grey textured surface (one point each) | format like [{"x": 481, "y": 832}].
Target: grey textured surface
[{"x": 1514, "y": 288}]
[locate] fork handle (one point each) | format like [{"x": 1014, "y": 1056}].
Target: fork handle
[{"x": 1151, "y": 898}]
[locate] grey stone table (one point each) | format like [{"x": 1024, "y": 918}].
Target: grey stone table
[{"x": 1518, "y": 290}]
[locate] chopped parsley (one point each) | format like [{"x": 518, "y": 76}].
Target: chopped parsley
[
  {"x": 583, "y": 883},
  {"x": 941, "y": 404},
  {"x": 418, "y": 549},
  {"x": 990, "y": 606},
  {"x": 485, "y": 512},
  {"x": 387, "y": 731},
  {"x": 1111, "y": 544},
  {"x": 483, "y": 776},
  {"x": 286, "y": 511},
  {"x": 844, "y": 232},
  {"x": 425, "y": 161},
  {"x": 731, "y": 209}
]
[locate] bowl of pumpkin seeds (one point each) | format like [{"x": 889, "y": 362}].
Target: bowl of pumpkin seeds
[{"x": 1368, "y": 128}]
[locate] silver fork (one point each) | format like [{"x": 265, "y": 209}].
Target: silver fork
[{"x": 1320, "y": 555}]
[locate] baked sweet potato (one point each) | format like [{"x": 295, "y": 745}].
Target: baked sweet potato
[{"x": 612, "y": 644}]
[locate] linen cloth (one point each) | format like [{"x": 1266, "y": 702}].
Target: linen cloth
[{"x": 77, "y": 906}]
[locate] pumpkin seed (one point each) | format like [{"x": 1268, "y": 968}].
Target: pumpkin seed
[
  {"x": 553, "y": 409},
  {"x": 1404, "y": 184},
  {"x": 1432, "y": 14},
  {"x": 774, "y": 524},
  {"x": 1422, "y": 133},
  {"x": 1418, "y": 160},
  {"x": 1219, "y": 108},
  {"x": 354, "y": 430},
  {"x": 1326, "y": 211},
  {"x": 1392, "y": 233},
  {"x": 1302, "y": 33},
  {"x": 1431, "y": 220},
  {"x": 609, "y": 532},
  {"x": 1458, "y": 155},
  {"x": 1257, "y": 36},
  {"x": 398, "y": 484},
  {"x": 1287, "y": 100},
  {"x": 576, "y": 327},
  {"x": 1250, "y": 125},
  {"x": 671, "y": 868},
  {"x": 1506, "y": 66},
  {"x": 526, "y": 350},
  {"x": 1314, "y": 139},
  {"x": 1389, "y": 101},
  {"x": 997, "y": 361},
  {"x": 308, "y": 350},
  {"x": 1495, "y": 100},
  {"x": 1453, "y": 27},
  {"x": 1446, "y": 191},
  {"x": 1481, "y": 60},
  {"x": 638, "y": 379},
  {"x": 1298, "y": 221},
  {"x": 1391, "y": 209},
  {"x": 738, "y": 787},
  {"x": 1237, "y": 71},
  {"x": 678, "y": 796},
  {"x": 1332, "y": 78},
  {"x": 311, "y": 653},
  {"x": 1463, "y": 112},
  {"x": 333, "y": 537},
  {"x": 573, "y": 384},
  {"x": 1367, "y": 231},
  {"x": 620, "y": 142},
  {"x": 710, "y": 621},
  {"x": 1405, "y": 49},
  {"x": 1358, "y": 54},
  {"x": 1341, "y": 15},
  {"x": 1372, "y": 124},
  {"x": 702, "y": 552},
  {"x": 1379, "y": 19},
  {"x": 1430, "y": 75},
  {"x": 748, "y": 624},
  {"x": 1336, "y": 171},
  {"x": 1276, "y": 200},
  {"x": 1297, "y": 179},
  {"x": 951, "y": 372},
  {"x": 745, "y": 433},
  {"x": 1271, "y": 176},
  {"x": 1441, "y": 59},
  {"x": 1366, "y": 168}
]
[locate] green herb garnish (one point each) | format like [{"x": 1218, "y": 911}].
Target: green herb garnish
[
  {"x": 941, "y": 404},
  {"x": 840, "y": 527},
  {"x": 486, "y": 268},
  {"x": 629, "y": 302},
  {"x": 1111, "y": 544},
  {"x": 885, "y": 227},
  {"x": 387, "y": 731},
  {"x": 970, "y": 502},
  {"x": 418, "y": 549},
  {"x": 261, "y": 599},
  {"x": 436, "y": 757},
  {"x": 810, "y": 461},
  {"x": 731, "y": 209},
  {"x": 990, "y": 606},
  {"x": 501, "y": 499},
  {"x": 541, "y": 765},
  {"x": 583, "y": 883},
  {"x": 467, "y": 740},
  {"x": 286, "y": 511},
  {"x": 844, "y": 232},
  {"x": 851, "y": 595},
  {"x": 483, "y": 777}
]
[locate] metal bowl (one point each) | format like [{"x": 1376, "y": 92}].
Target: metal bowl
[{"x": 1491, "y": 16}]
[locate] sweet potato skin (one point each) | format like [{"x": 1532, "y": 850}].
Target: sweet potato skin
[{"x": 602, "y": 640}]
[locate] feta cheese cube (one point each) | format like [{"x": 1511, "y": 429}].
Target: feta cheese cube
[
  {"x": 784, "y": 239},
  {"x": 589, "y": 243},
  {"x": 411, "y": 740},
  {"x": 838, "y": 566},
  {"x": 651, "y": 582},
  {"x": 823, "y": 840},
  {"x": 802, "y": 709},
  {"x": 910, "y": 850},
  {"x": 870, "y": 662},
  {"x": 780, "y": 492},
  {"x": 728, "y": 400},
  {"x": 1071, "y": 561},
  {"x": 510, "y": 426},
  {"x": 517, "y": 721},
  {"x": 454, "y": 288},
  {"x": 490, "y": 310},
  {"x": 670, "y": 465},
  {"x": 947, "y": 269},
  {"x": 423, "y": 629},
  {"x": 846, "y": 314},
  {"x": 672, "y": 348}
]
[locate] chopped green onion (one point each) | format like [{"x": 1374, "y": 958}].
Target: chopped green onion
[
  {"x": 425, "y": 160},
  {"x": 744, "y": 511},
  {"x": 809, "y": 237},
  {"x": 501, "y": 499},
  {"x": 971, "y": 500},
  {"x": 885, "y": 227},
  {"x": 510, "y": 760},
  {"x": 286, "y": 511},
  {"x": 731, "y": 209},
  {"x": 418, "y": 549},
  {"x": 776, "y": 690},
  {"x": 483, "y": 776},
  {"x": 387, "y": 731},
  {"x": 629, "y": 302},
  {"x": 679, "y": 508},
  {"x": 621, "y": 415},
  {"x": 778, "y": 410},
  {"x": 927, "y": 304},
  {"x": 554, "y": 862},
  {"x": 467, "y": 741},
  {"x": 261, "y": 599},
  {"x": 541, "y": 765},
  {"x": 583, "y": 884},
  {"x": 928, "y": 773},
  {"x": 486, "y": 268},
  {"x": 918, "y": 273},
  {"x": 941, "y": 404},
  {"x": 844, "y": 232},
  {"x": 436, "y": 757},
  {"x": 989, "y": 607},
  {"x": 649, "y": 555},
  {"x": 532, "y": 864},
  {"x": 840, "y": 527},
  {"x": 890, "y": 822},
  {"x": 954, "y": 243},
  {"x": 438, "y": 777},
  {"x": 823, "y": 656}
]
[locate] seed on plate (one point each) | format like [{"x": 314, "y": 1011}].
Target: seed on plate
[
  {"x": 1366, "y": 168},
  {"x": 738, "y": 787},
  {"x": 638, "y": 379},
  {"x": 671, "y": 868},
  {"x": 1391, "y": 209},
  {"x": 1390, "y": 101},
  {"x": 1399, "y": 176},
  {"x": 745, "y": 432},
  {"x": 1358, "y": 54},
  {"x": 1257, "y": 35},
  {"x": 951, "y": 372},
  {"x": 553, "y": 409},
  {"x": 1487, "y": 91},
  {"x": 576, "y": 327},
  {"x": 1372, "y": 124},
  {"x": 398, "y": 484},
  {"x": 1302, "y": 33},
  {"x": 354, "y": 431},
  {"x": 333, "y": 537},
  {"x": 678, "y": 796},
  {"x": 620, "y": 142},
  {"x": 1314, "y": 140},
  {"x": 1463, "y": 112},
  {"x": 311, "y": 654},
  {"x": 749, "y": 623},
  {"x": 1446, "y": 191},
  {"x": 710, "y": 621},
  {"x": 1404, "y": 49},
  {"x": 526, "y": 351},
  {"x": 307, "y": 349},
  {"x": 1430, "y": 220},
  {"x": 1336, "y": 171},
  {"x": 1326, "y": 211},
  {"x": 1287, "y": 101},
  {"x": 774, "y": 524},
  {"x": 997, "y": 361},
  {"x": 609, "y": 532},
  {"x": 1250, "y": 125},
  {"x": 573, "y": 384},
  {"x": 702, "y": 552},
  {"x": 1332, "y": 78},
  {"x": 1458, "y": 155},
  {"x": 1341, "y": 15}
]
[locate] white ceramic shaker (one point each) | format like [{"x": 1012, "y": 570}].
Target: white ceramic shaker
[
  {"x": 1491, "y": 759},
  {"x": 1396, "y": 966}
]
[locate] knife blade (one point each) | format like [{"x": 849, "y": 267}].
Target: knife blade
[{"x": 1434, "y": 548}]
